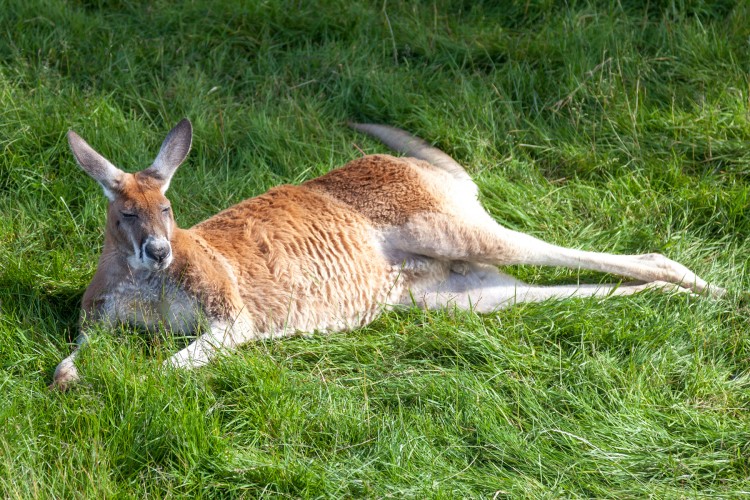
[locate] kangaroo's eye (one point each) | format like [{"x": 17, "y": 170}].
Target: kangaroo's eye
[
  {"x": 165, "y": 211},
  {"x": 129, "y": 215}
]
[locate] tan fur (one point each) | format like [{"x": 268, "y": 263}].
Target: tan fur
[
  {"x": 386, "y": 190},
  {"x": 328, "y": 255},
  {"x": 293, "y": 247}
]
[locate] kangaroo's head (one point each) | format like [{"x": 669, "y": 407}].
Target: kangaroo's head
[{"x": 140, "y": 223}]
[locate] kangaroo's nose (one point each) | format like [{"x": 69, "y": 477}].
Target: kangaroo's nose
[{"x": 157, "y": 250}]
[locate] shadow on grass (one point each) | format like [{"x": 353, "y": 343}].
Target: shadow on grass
[{"x": 47, "y": 308}]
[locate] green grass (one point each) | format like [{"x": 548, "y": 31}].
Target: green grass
[{"x": 614, "y": 126}]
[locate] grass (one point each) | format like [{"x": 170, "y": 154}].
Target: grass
[{"x": 615, "y": 126}]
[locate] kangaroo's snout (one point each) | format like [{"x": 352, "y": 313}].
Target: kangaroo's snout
[{"x": 158, "y": 250}]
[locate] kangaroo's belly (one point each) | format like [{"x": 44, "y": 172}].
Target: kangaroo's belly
[{"x": 326, "y": 279}]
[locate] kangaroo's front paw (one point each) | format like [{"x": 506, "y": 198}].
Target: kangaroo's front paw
[
  {"x": 66, "y": 374},
  {"x": 184, "y": 360}
]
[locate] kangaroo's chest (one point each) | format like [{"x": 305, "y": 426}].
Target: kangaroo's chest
[{"x": 150, "y": 303}]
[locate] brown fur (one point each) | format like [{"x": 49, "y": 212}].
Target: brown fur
[
  {"x": 385, "y": 189},
  {"x": 292, "y": 246}
]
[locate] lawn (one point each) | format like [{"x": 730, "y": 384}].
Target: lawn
[{"x": 610, "y": 126}]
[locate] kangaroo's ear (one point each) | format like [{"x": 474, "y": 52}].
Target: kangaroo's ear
[
  {"x": 97, "y": 166},
  {"x": 173, "y": 152}
]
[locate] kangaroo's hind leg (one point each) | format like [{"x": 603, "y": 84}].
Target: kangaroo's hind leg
[
  {"x": 482, "y": 288},
  {"x": 464, "y": 230},
  {"x": 450, "y": 238}
]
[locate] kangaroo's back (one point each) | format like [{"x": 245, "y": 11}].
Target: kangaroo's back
[
  {"x": 390, "y": 191},
  {"x": 385, "y": 189}
]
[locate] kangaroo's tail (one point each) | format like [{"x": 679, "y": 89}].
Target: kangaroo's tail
[{"x": 405, "y": 143}]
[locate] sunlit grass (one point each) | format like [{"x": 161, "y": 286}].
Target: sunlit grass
[{"x": 598, "y": 125}]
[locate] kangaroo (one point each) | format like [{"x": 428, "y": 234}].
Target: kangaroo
[{"x": 328, "y": 255}]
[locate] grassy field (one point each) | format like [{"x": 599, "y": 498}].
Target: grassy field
[{"x": 611, "y": 126}]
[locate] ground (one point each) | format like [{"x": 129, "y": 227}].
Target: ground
[{"x": 610, "y": 126}]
